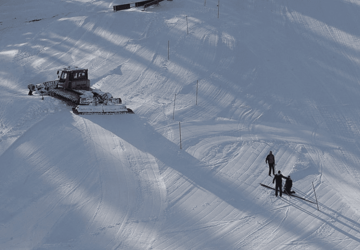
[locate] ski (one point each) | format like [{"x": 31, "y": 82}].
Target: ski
[{"x": 293, "y": 195}]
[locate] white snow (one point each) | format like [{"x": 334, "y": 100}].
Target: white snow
[{"x": 280, "y": 75}]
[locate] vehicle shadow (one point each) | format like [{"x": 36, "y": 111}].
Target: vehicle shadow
[{"x": 132, "y": 127}]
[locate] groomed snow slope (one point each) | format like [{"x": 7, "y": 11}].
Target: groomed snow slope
[{"x": 280, "y": 75}]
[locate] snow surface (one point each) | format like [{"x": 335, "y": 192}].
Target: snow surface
[{"x": 280, "y": 75}]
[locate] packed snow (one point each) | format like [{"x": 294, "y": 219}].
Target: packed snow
[{"x": 214, "y": 89}]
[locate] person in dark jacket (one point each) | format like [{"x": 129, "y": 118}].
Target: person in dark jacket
[
  {"x": 288, "y": 186},
  {"x": 270, "y": 159},
  {"x": 278, "y": 182}
]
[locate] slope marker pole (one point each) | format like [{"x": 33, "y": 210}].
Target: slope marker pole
[
  {"x": 174, "y": 108},
  {"x": 197, "y": 87},
  {"x": 315, "y": 197},
  {"x": 180, "y": 135}
]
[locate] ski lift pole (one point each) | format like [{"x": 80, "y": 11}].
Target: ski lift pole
[{"x": 315, "y": 197}]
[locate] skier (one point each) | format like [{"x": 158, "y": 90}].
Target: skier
[
  {"x": 288, "y": 186},
  {"x": 270, "y": 159},
  {"x": 278, "y": 185}
]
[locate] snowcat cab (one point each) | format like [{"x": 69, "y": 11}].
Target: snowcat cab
[{"x": 73, "y": 79}]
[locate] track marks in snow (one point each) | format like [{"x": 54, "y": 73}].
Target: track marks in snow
[
  {"x": 322, "y": 224},
  {"x": 135, "y": 200},
  {"x": 122, "y": 165}
]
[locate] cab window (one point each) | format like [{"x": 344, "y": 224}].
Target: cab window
[
  {"x": 82, "y": 75},
  {"x": 63, "y": 76}
]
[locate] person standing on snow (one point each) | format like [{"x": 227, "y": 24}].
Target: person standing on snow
[
  {"x": 270, "y": 159},
  {"x": 278, "y": 183}
]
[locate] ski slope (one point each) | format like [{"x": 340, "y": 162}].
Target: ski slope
[{"x": 263, "y": 75}]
